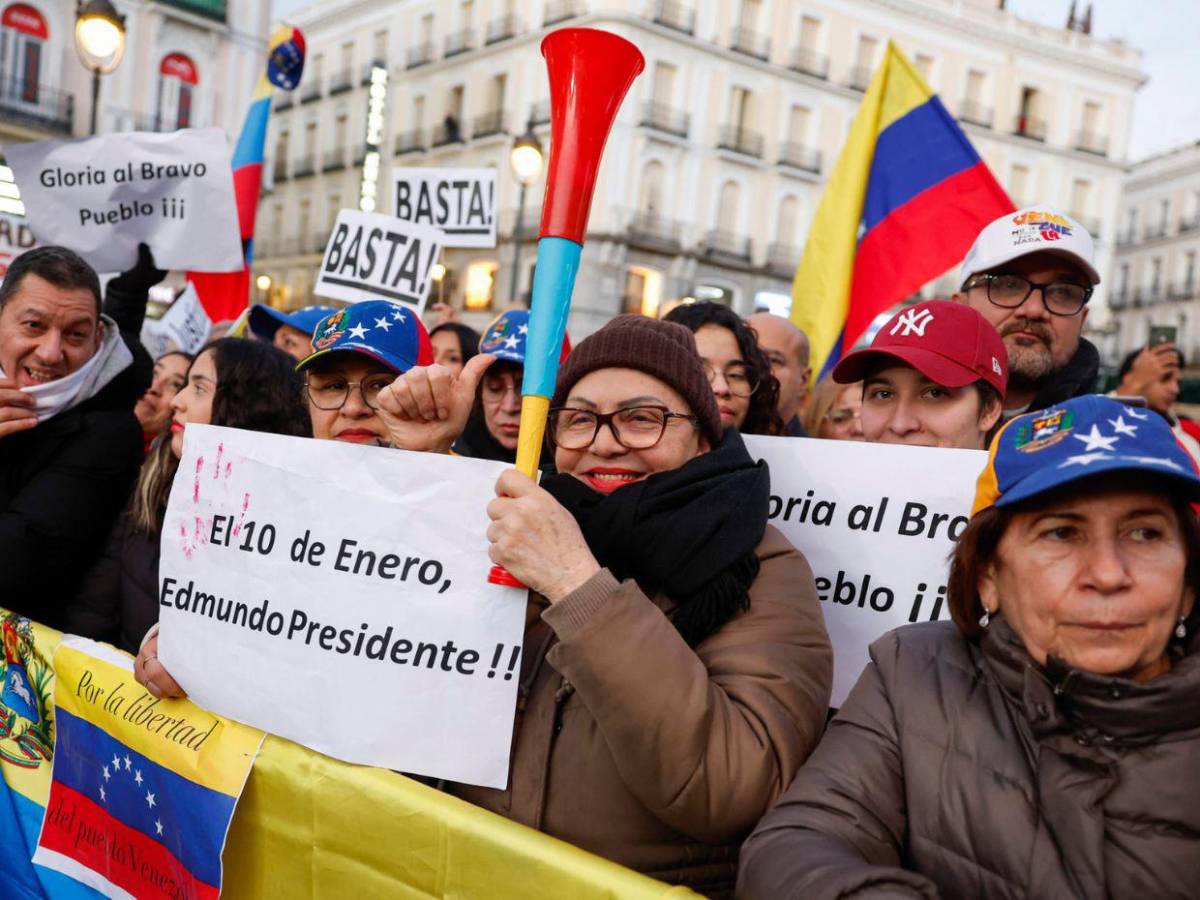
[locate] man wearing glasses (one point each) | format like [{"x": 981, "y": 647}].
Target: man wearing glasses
[{"x": 1031, "y": 274}]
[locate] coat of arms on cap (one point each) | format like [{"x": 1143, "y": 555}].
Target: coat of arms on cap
[
  {"x": 331, "y": 329},
  {"x": 1044, "y": 431}
]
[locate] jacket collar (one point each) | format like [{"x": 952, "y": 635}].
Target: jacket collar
[{"x": 1077, "y": 377}]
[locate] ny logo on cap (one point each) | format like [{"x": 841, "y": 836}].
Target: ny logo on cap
[
  {"x": 913, "y": 322},
  {"x": 996, "y": 366}
]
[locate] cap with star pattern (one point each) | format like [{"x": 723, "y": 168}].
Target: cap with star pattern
[
  {"x": 506, "y": 336},
  {"x": 1083, "y": 437},
  {"x": 389, "y": 332}
]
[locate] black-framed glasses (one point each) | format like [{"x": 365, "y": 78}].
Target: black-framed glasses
[
  {"x": 1061, "y": 298},
  {"x": 332, "y": 393},
  {"x": 634, "y": 428},
  {"x": 742, "y": 379}
]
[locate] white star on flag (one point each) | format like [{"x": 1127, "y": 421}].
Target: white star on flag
[
  {"x": 128, "y": 763},
  {"x": 399, "y": 316},
  {"x": 359, "y": 332},
  {"x": 1120, "y": 426},
  {"x": 511, "y": 342},
  {"x": 524, "y": 329},
  {"x": 1140, "y": 416},
  {"x": 384, "y": 324},
  {"x": 103, "y": 796},
  {"x": 137, "y": 777},
  {"x": 158, "y": 826},
  {"x": 116, "y": 763},
  {"x": 106, "y": 775},
  {"x": 150, "y": 799},
  {"x": 1084, "y": 459},
  {"x": 1094, "y": 440}
]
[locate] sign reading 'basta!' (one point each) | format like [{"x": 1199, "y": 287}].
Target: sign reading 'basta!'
[{"x": 371, "y": 256}]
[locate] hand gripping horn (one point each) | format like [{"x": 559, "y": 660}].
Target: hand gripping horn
[{"x": 590, "y": 72}]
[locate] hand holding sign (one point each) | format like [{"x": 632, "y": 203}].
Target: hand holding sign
[{"x": 427, "y": 407}]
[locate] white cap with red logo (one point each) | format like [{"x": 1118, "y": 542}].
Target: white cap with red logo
[{"x": 1035, "y": 229}]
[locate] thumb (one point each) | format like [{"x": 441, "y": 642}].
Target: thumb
[{"x": 468, "y": 378}]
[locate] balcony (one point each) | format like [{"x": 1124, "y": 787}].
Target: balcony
[
  {"x": 798, "y": 156},
  {"x": 540, "y": 113},
  {"x": 369, "y": 67},
  {"x": 460, "y": 42},
  {"x": 1119, "y": 299},
  {"x": 750, "y": 43},
  {"x": 360, "y": 154},
  {"x": 411, "y": 141},
  {"x": 420, "y": 55},
  {"x": 281, "y": 170},
  {"x": 342, "y": 81},
  {"x": 304, "y": 166},
  {"x": 976, "y": 113},
  {"x": 36, "y": 105},
  {"x": 1029, "y": 127},
  {"x": 503, "y": 28},
  {"x": 663, "y": 118},
  {"x": 317, "y": 241},
  {"x": 782, "y": 259},
  {"x": 739, "y": 140},
  {"x": 333, "y": 160},
  {"x": 809, "y": 62},
  {"x": 1147, "y": 296},
  {"x": 1154, "y": 232},
  {"x": 675, "y": 16},
  {"x": 1092, "y": 225},
  {"x": 651, "y": 231},
  {"x": 1090, "y": 142},
  {"x": 860, "y": 77},
  {"x": 488, "y": 124},
  {"x": 447, "y": 132},
  {"x": 725, "y": 243},
  {"x": 1183, "y": 290},
  {"x": 1189, "y": 223},
  {"x": 283, "y": 100},
  {"x": 561, "y": 10},
  {"x": 1125, "y": 238}
]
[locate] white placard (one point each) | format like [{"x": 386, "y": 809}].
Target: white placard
[
  {"x": 15, "y": 238},
  {"x": 337, "y": 595},
  {"x": 370, "y": 256},
  {"x": 103, "y": 196},
  {"x": 185, "y": 324},
  {"x": 461, "y": 202},
  {"x": 877, "y": 523}
]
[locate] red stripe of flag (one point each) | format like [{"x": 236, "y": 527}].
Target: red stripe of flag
[{"x": 83, "y": 831}]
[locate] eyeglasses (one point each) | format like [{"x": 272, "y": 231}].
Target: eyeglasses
[
  {"x": 742, "y": 380},
  {"x": 332, "y": 393},
  {"x": 634, "y": 428},
  {"x": 1061, "y": 298}
]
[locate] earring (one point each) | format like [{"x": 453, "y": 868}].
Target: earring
[
  {"x": 985, "y": 618},
  {"x": 1181, "y": 629}
]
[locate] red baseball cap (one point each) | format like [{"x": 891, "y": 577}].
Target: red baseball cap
[{"x": 949, "y": 343}]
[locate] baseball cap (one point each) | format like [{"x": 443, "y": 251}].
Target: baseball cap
[
  {"x": 1034, "y": 229},
  {"x": 264, "y": 320},
  {"x": 1083, "y": 437},
  {"x": 949, "y": 343},
  {"x": 383, "y": 330},
  {"x": 506, "y": 335}
]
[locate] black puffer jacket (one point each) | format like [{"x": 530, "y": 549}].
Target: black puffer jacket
[{"x": 960, "y": 770}]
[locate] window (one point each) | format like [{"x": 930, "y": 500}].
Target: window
[
  {"x": 498, "y": 87},
  {"x": 1029, "y": 118},
  {"x": 317, "y": 74},
  {"x": 785, "y": 226},
  {"x": 303, "y": 221},
  {"x": 418, "y": 113},
  {"x": 664, "y": 83},
  {"x": 177, "y": 79},
  {"x": 331, "y": 210},
  {"x": 426, "y": 29},
  {"x": 23, "y": 36},
  {"x": 1189, "y": 271},
  {"x": 739, "y": 108},
  {"x": 310, "y": 139},
  {"x": 798, "y": 125},
  {"x": 1164, "y": 207},
  {"x": 924, "y": 64},
  {"x": 1155, "y": 275},
  {"x": 864, "y": 58},
  {"x": 1091, "y": 118},
  {"x": 810, "y": 33},
  {"x": 1018, "y": 185},
  {"x": 281, "y": 148},
  {"x": 749, "y": 16},
  {"x": 1081, "y": 198},
  {"x": 728, "y": 207},
  {"x": 1124, "y": 280},
  {"x": 652, "y": 187},
  {"x": 341, "y": 131},
  {"x": 643, "y": 291},
  {"x": 481, "y": 284},
  {"x": 467, "y": 13},
  {"x": 975, "y": 86},
  {"x": 379, "y": 46},
  {"x": 347, "y": 56}
]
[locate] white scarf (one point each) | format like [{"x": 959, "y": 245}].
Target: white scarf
[{"x": 107, "y": 362}]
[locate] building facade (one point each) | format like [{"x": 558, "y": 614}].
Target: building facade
[
  {"x": 187, "y": 63},
  {"x": 719, "y": 154},
  {"x": 1154, "y": 277}
]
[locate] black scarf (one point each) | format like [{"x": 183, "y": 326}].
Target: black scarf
[
  {"x": 477, "y": 442},
  {"x": 690, "y": 533}
]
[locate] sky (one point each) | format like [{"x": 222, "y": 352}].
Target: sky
[{"x": 1167, "y": 108}]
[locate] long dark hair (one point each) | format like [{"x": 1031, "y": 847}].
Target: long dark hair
[
  {"x": 763, "y": 414},
  {"x": 468, "y": 337},
  {"x": 258, "y": 389}
]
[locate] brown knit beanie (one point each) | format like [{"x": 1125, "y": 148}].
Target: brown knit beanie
[{"x": 662, "y": 349}]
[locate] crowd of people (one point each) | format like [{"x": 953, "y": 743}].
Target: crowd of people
[{"x": 676, "y": 675}]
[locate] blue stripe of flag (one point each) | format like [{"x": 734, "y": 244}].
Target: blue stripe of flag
[
  {"x": 922, "y": 148},
  {"x": 194, "y": 818}
]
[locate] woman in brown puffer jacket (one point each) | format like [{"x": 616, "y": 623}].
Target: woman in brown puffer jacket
[{"x": 1047, "y": 743}]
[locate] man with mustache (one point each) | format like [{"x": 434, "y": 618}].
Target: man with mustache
[{"x": 1031, "y": 274}]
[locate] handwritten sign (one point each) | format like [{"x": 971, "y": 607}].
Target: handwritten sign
[
  {"x": 185, "y": 325},
  {"x": 15, "y": 238},
  {"x": 103, "y": 196},
  {"x": 877, "y": 523},
  {"x": 338, "y": 596},
  {"x": 461, "y": 202},
  {"x": 371, "y": 256}
]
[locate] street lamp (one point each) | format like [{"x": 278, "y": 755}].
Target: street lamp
[
  {"x": 99, "y": 41},
  {"x": 525, "y": 157}
]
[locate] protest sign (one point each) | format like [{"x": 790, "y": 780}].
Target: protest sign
[
  {"x": 142, "y": 790},
  {"x": 877, "y": 523},
  {"x": 103, "y": 196},
  {"x": 296, "y": 573},
  {"x": 185, "y": 324},
  {"x": 15, "y": 238},
  {"x": 461, "y": 202},
  {"x": 372, "y": 256}
]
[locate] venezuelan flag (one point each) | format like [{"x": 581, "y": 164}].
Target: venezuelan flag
[
  {"x": 905, "y": 201},
  {"x": 225, "y": 294}
]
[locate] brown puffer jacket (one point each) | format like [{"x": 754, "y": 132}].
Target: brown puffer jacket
[
  {"x": 958, "y": 770},
  {"x": 640, "y": 749}
]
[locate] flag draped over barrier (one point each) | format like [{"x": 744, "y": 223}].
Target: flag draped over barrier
[
  {"x": 306, "y": 826},
  {"x": 907, "y": 196},
  {"x": 226, "y": 294}
]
